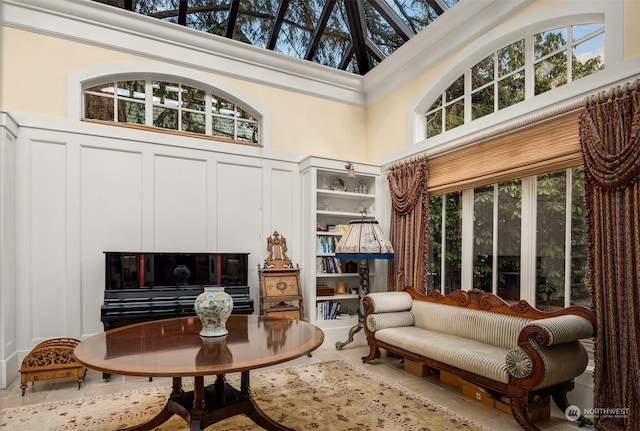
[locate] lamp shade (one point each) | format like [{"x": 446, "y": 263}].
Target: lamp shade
[{"x": 364, "y": 239}]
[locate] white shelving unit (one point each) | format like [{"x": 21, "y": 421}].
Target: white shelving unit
[{"x": 324, "y": 207}]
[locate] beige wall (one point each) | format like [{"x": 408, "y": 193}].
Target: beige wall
[
  {"x": 631, "y": 29},
  {"x": 36, "y": 69}
]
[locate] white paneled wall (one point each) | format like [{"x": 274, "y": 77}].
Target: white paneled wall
[{"x": 79, "y": 195}]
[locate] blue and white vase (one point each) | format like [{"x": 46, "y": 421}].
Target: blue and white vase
[{"x": 213, "y": 307}]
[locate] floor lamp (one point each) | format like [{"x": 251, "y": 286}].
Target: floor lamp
[{"x": 363, "y": 240}]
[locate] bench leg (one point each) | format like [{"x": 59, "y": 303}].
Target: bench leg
[
  {"x": 519, "y": 412},
  {"x": 374, "y": 353}
]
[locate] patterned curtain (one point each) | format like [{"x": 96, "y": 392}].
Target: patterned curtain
[
  {"x": 610, "y": 141},
  {"x": 409, "y": 225}
]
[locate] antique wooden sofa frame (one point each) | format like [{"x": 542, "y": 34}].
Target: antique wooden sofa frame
[{"x": 542, "y": 332}]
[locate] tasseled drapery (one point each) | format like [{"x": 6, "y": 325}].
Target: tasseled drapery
[
  {"x": 610, "y": 142},
  {"x": 409, "y": 233}
]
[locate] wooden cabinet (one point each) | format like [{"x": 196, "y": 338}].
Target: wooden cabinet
[{"x": 330, "y": 202}]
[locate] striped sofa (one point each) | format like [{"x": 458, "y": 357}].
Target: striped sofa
[{"x": 513, "y": 350}]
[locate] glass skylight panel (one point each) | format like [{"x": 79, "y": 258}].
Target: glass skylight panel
[
  {"x": 208, "y": 16},
  {"x": 255, "y": 21},
  {"x": 297, "y": 28},
  {"x": 380, "y": 32},
  {"x": 335, "y": 40}
]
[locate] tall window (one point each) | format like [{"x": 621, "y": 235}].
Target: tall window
[
  {"x": 543, "y": 260},
  {"x": 542, "y": 62},
  {"x": 445, "y": 254},
  {"x": 170, "y": 105}
]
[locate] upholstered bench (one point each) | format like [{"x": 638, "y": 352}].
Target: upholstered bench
[
  {"x": 51, "y": 359},
  {"x": 513, "y": 350}
]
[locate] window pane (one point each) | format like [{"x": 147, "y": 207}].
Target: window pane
[
  {"x": 582, "y": 30},
  {"x": 165, "y": 93},
  {"x": 223, "y": 127},
  {"x": 193, "y": 122},
  {"x": 131, "y": 89},
  {"x": 580, "y": 294},
  {"x": 455, "y": 90},
  {"x": 454, "y": 115},
  {"x": 550, "y": 249},
  {"x": 98, "y": 107},
  {"x": 549, "y": 41},
  {"x": 511, "y": 58},
  {"x": 482, "y": 102},
  {"x": 192, "y": 98},
  {"x": 165, "y": 118},
  {"x": 511, "y": 90},
  {"x": 221, "y": 106},
  {"x": 588, "y": 57},
  {"x": 244, "y": 114},
  {"x": 483, "y": 238},
  {"x": 509, "y": 234},
  {"x": 247, "y": 131},
  {"x": 131, "y": 112},
  {"x": 437, "y": 104},
  {"x": 551, "y": 73},
  {"x": 434, "y": 279},
  {"x": 482, "y": 72},
  {"x": 102, "y": 88},
  {"x": 453, "y": 242},
  {"x": 434, "y": 123},
  {"x": 452, "y": 248}
]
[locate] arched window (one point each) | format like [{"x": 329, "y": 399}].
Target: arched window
[
  {"x": 170, "y": 105},
  {"x": 525, "y": 68}
]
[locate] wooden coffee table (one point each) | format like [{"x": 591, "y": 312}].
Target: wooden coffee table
[{"x": 173, "y": 348}]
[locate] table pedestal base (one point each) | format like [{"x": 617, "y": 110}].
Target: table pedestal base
[{"x": 205, "y": 406}]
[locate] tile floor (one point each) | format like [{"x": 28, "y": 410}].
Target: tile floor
[{"x": 391, "y": 368}]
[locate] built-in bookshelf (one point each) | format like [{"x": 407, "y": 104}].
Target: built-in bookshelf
[{"x": 331, "y": 201}]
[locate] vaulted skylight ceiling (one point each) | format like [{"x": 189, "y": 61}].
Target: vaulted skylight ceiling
[{"x": 351, "y": 35}]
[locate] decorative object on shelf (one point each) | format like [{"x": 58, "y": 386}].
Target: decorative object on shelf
[
  {"x": 280, "y": 282},
  {"x": 362, "y": 187},
  {"x": 341, "y": 288},
  {"x": 351, "y": 267},
  {"x": 351, "y": 172},
  {"x": 213, "y": 307},
  {"x": 277, "y": 247},
  {"x": 181, "y": 274},
  {"x": 363, "y": 240},
  {"x": 338, "y": 185}
]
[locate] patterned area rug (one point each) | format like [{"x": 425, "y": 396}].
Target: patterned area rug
[{"x": 333, "y": 395}]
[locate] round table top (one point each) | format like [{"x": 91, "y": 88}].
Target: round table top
[{"x": 173, "y": 348}]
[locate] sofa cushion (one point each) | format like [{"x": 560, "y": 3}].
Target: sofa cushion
[
  {"x": 469, "y": 355},
  {"x": 495, "y": 329}
]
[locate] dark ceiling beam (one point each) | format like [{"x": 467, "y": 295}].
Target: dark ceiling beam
[
  {"x": 231, "y": 20},
  {"x": 373, "y": 49},
  {"x": 358, "y": 28},
  {"x": 319, "y": 30},
  {"x": 277, "y": 24},
  {"x": 393, "y": 19},
  {"x": 344, "y": 62},
  {"x": 182, "y": 12},
  {"x": 438, "y": 5}
]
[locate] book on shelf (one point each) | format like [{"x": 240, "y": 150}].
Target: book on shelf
[
  {"x": 327, "y": 310},
  {"x": 328, "y": 265},
  {"x": 326, "y": 244}
]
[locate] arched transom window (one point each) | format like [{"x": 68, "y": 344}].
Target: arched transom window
[
  {"x": 170, "y": 105},
  {"x": 523, "y": 69}
]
